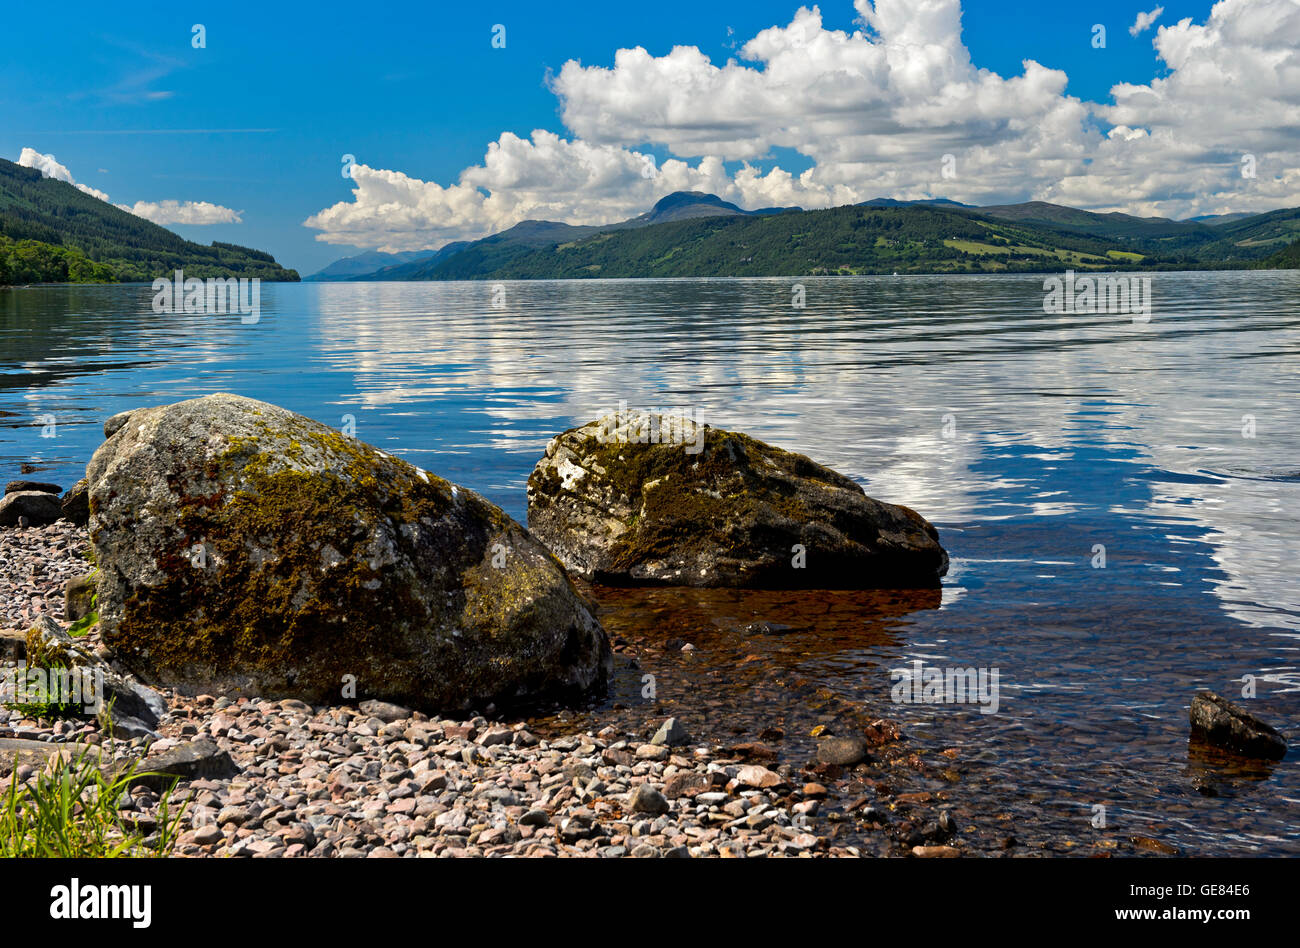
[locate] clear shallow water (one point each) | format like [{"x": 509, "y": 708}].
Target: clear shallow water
[{"x": 1027, "y": 438}]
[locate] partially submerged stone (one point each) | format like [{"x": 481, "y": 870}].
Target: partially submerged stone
[
  {"x": 671, "y": 733},
  {"x": 620, "y": 503},
  {"x": 936, "y": 852},
  {"x": 245, "y": 549},
  {"x": 841, "y": 751},
  {"x": 36, "y": 508},
  {"x": 1219, "y": 722}
]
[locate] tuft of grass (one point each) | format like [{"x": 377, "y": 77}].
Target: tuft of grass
[
  {"x": 82, "y": 625},
  {"x": 42, "y": 707},
  {"x": 70, "y": 810}
]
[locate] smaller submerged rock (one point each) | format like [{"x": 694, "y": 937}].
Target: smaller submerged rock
[
  {"x": 1218, "y": 721},
  {"x": 649, "y": 499},
  {"x": 841, "y": 751}
]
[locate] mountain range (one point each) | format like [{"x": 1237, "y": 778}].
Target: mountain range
[
  {"x": 468, "y": 259},
  {"x": 52, "y": 232},
  {"x": 689, "y": 233}
]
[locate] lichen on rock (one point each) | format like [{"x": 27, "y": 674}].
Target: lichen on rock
[
  {"x": 718, "y": 508},
  {"x": 246, "y": 549}
]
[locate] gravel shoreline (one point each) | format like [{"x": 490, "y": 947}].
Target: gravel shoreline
[{"x": 376, "y": 780}]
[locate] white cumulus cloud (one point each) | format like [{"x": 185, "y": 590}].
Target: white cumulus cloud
[
  {"x": 896, "y": 108},
  {"x": 160, "y": 212},
  {"x": 194, "y": 213},
  {"x": 1232, "y": 91},
  {"x": 1144, "y": 21},
  {"x": 542, "y": 177},
  {"x": 49, "y": 166}
]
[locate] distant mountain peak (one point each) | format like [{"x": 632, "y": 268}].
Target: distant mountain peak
[
  {"x": 682, "y": 198},
  {"x": 681, "y": 205},
  {"x": 928, "y": 202}
]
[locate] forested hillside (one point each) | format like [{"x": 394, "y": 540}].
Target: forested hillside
[
  {"x": 854, "y": 239},
  {"x": 1285, "y": 259},
  {"x": 52, "y": 232}
]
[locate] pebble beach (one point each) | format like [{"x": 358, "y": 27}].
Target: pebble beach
[{"x": 375, "y": 780}]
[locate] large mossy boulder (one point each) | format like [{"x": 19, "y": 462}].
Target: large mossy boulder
[
  {"x": 245, "y": 549},
  {"x": 644, "y": 499}
]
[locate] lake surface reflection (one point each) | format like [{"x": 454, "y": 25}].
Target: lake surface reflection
[{"x": 1032, "y": 441}]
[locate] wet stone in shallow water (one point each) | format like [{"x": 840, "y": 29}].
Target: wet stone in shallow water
[
  {"x": 1219, "y": 722},
  {"x": 620, "y": 509}
]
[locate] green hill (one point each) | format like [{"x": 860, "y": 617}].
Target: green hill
[
  {"x": 1286, "y": 259},
  {"x": 1232, "y": 239},
  {"x": 50, "y": 232},
  {"x": 1257, "y": 236},
  {"x": 1110, "y": 226}
]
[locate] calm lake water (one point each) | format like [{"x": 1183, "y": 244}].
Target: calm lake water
[{"x": 1030, "y": 440}]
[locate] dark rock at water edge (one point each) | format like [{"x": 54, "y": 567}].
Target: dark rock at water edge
[
  {"x": 718, "y": 508},
  {"x": 75, "y": 503},
  {"x": 245, "y": 549},
  {"x": 14, "y": 487},
  {"x": 31, "y": 507},
  {"x": 1221, "y": 723}
]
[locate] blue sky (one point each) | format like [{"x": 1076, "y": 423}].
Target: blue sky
[{"x": 281, "y": 92}]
